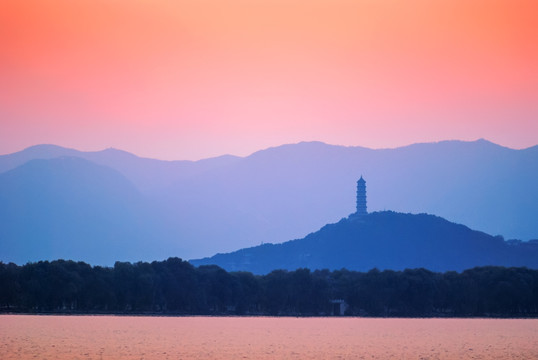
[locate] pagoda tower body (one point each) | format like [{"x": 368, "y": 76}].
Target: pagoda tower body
[{"x": 361, "y": 197}]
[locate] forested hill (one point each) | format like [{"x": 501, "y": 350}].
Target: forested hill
[{"x": 384, "y": 240}]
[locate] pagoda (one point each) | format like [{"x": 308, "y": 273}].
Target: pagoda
[{"x": 361, "y": 197}]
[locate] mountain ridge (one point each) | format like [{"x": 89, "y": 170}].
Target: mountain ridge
[
  {"x": 68, "y": 207},
  {"x": 138, "y": 169},
  {"x": 284, "y": 192},
  {"x": 39, "y": 149}
]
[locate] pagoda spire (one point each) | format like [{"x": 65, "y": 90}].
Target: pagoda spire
[{"x": 361, "y": 197}]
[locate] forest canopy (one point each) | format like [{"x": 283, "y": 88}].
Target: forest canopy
[{"x": 175, "y": 287}]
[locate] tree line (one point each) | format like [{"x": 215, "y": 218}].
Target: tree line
[{"x": 175, "y": 287}]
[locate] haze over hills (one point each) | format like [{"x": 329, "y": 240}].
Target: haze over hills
[
  {"x": 383, "y": 240},
  {"x": 71, "y": 208},
  {"x": 274, "y": 195},
  {"x": 147, "y": 174}
]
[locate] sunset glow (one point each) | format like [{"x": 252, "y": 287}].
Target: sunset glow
[{"x": 192, "y": 79}]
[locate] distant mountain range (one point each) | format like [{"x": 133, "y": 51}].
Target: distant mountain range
[
  {"x": 383, "y": 240},
  {"x": 56, "y": 202},
  {"x": 71, "y": 208}
]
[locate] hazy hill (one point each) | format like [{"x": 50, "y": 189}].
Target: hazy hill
[
  {"x": 285, "y": 192},
  {"x": 149, "y": 175},
  {"x": 71, "y": 208},
  {"x": 383, "y": 240},
  {"x": 281, "y": 193}
]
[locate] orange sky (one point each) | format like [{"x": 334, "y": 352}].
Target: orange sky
[{"x": 189, "y": 79}]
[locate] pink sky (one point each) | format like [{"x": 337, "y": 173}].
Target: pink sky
[{"x": 177, "y": 79}]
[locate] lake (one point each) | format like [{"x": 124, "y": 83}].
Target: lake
[{"x": 138, "y": 337}]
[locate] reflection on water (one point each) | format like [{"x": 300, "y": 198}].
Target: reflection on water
[{"x": 117, "y": 337}]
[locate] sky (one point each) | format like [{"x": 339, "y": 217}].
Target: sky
[{"x": 189, "y": 79}]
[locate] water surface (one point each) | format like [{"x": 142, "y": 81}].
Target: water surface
[{"x": 119, "y": 337}]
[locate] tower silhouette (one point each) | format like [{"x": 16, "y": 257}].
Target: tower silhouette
[{"x": 361, "y": 197}]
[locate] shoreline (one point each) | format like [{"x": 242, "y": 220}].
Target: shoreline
[{"x": 156, "y": 315}]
